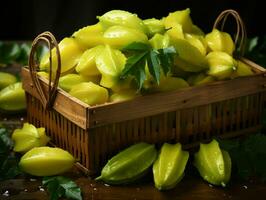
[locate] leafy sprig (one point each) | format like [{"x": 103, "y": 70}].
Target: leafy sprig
[
  {"x": 141, "y": 55},
  {"x": 60, "y": 186}
]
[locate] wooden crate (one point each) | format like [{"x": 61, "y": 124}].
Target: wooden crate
[{"x": 93, "y": 134}]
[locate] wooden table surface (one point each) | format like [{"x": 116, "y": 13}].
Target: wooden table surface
[{"x": 191, "y": 187}]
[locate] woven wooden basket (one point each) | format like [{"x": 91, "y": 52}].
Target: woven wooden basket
[{"x": 94, "y": 133}]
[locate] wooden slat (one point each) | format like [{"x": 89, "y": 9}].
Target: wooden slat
[
  {"x": 224, "y": 116},
  {"x": 196, "y": 126},
  {"x": 118, "y": 136},
  {"x": 123, "y": 133},
  {"x": 189, "y": 124},
  {"x": 208, "y": 121},
  {"x": 213, "y": 120},
  {"x": 154, "y": 125},
  {"x": 170, "y": 126},
  {"x": 89, "y": 156},
  {"x": 142, "y": 131},
  {"x": 231, "y": 117},
  {"x": 219, "y": 118},
  {"x": 78, "y": 139},
  {"x": 244, "y": 102},
  {"x": 260, "y": 108},
  {"x": 202, "y": 122},
  {"x": 136, "y": 124},
  {"x": 169, "y": 101},
  {"x": 147, "y": 128},
  {"x": 178, "y": 126},
  {"x": 238, "y": 114},
  {"x": 183, "y": 126}
]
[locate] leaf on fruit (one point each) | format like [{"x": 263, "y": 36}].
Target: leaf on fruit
[
  {"x": 166, "y": 57},
  {"x": 154, "y": 65},
  {"x": 142, "y": 54}
]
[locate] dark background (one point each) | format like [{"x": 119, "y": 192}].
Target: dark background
[{"x": 23, "y": 20}]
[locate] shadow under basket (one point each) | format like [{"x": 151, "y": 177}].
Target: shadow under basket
[{"x": 93, "y": 134}]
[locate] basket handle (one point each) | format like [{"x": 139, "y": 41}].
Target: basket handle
[
  {"x": 47, "y": 100},
  {"x": 241, "y": 33}
]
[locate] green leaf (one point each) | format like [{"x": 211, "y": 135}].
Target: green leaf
[
  {"x": 135, "y": 66},
  {"x": 132, "y": 63},
  {"x": 166, "y": 57},
  {"x": 60, "y": 186},
  {"x": 6, "y": 143},
  {"x": 55, "y": 190},
  {"x": 139, "y": 73},
  {"x": 154, "y": 65},
  {"x": 142, "y": 54},
  {"x": 47, "y": 179},
  {"x": 65, "y": 182},
  {"x": 9, "y": 166},
  {"x": 74, "y": 193},
  {"x": 136, "y": 46}
]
